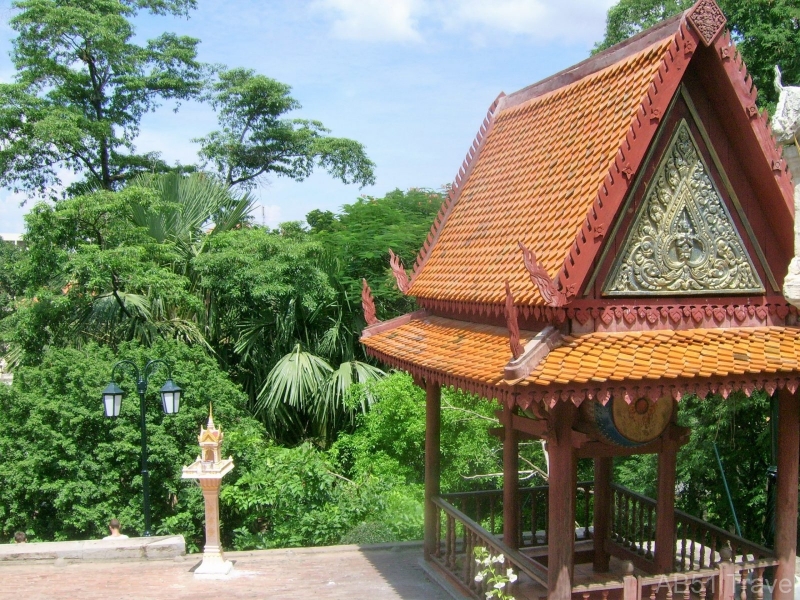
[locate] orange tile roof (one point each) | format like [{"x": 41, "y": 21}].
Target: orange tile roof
[
  {"x": 469, "y": 355},
  {"x": 652, "y": 355},
  {"x": 535, "y": 180},
  {"x": 460, "y": 348}
]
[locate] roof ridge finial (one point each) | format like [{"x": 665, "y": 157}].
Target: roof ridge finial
[{"x": 210, "y": 424}]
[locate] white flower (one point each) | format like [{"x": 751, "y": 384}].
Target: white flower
[
  {"x": 500, "y": 585},
  {"x": 512, "y": 577},
  {"x": 501, "y": 559},
  {"x": 479, "y": 577}
]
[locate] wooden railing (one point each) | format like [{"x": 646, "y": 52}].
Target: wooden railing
[
  {"x": 486, "y": 508},
  {"x": 697, "y": 584},
  {"x": 727, "y": 581},
  {"x": 699, "y": 544},
  {"x": 457, "y": 536},
  {"x": 633, "y": 522},
  {"x": 749, "y": 578},
  {"x": 709, "y": 561},
  {"x": 611, "y": 590}
]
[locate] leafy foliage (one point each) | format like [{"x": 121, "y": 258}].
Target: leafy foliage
[
  {"x": 255, "y": 139},
  {"x": 767, "y": 32},
  {"x": 390, "y": 440},
  {"x": 67, "y": 469},
  {"x": 82, "y": 87},
  {"x": 362, "y": 235}
]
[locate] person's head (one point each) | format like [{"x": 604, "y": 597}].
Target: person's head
[
  {"x": 20, "y": 537},
  {"x": 114, "y": 526}
]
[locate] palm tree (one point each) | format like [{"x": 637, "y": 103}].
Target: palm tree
[{"x": 181, "y": 212}]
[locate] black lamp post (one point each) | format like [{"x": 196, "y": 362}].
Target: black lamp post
[{"x": 170, "y": 400}]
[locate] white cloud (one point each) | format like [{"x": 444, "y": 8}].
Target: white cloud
[
  {"x": 373, "y": 20},
  {"x": 405, "y": 20},
  {"x": 509, "y": 16}
]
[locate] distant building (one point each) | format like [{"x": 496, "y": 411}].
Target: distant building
[{"x": 14, "y": 239}]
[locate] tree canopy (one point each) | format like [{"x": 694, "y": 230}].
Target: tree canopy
[
  {"x": 256, "y": 140},
  {"x": 83, "y": 84},
  {"x": 82, "y": 87},
  {"x": 767, "y": 32}
]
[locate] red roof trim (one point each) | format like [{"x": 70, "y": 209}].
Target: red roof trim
[
  {"x": 500, "y": 391},
  {"x": 455, "y": 190},
  {"x": 655, "y": 389},
  {"x": 747, "y": 93},
  {"x": 629, "y": 158},
  {"x": 770, "y": 310}
]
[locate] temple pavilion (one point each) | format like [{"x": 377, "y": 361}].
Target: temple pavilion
[{"x": 616, "y": 238}]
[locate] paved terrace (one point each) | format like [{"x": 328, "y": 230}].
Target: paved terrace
[{"x": 332, "y": 573}]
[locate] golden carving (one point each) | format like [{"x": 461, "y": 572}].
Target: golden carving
[{"x": 683, "y": 240}]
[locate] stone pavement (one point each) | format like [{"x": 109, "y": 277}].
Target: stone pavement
[{"x": 338, "y": 572}]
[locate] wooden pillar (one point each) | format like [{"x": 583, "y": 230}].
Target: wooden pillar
[
  {"x": 786, "y": 503},
  {"x": 561, "y": 509},
  {"x": 664, "y": 555},
  {"x": 602, "y": 512},
  {"x": 433, "y": 400},
  {"x": 510, "y": 480}
]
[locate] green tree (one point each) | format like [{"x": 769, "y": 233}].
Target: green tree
[
  {"x": 360, "y": 237},
  {"x": 767, "y": 32},
  {"x": 117, "y": 266},
  {"x": 741, "y": 429},
  {"x": 82, "y": 87},
  {"x": 92, "y": 274},
  {"x": 67, "y": 469},
  {"x": 255, "y": 139}
]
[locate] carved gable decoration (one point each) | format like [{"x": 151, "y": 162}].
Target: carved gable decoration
[{"x": 683, "y": 240}]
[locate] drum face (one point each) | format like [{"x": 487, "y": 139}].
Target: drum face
[
  {"x": 642, "y": 420},
  {"x": 628, "y": 425}
]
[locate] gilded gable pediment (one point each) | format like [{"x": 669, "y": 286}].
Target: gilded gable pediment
[{"x": 683, "y": 240}]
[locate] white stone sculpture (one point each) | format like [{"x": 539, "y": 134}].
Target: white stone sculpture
[{"x": 786, "y": 128}]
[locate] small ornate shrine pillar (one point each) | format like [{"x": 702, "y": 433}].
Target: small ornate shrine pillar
[{"x": 209, "y": 469}]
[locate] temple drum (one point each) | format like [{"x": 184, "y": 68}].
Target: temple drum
[{"x": 627, "y": 425}]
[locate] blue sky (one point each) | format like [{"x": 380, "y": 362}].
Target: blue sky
[{"x": 410, "y": 79}]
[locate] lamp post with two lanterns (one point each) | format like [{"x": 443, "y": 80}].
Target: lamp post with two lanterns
[{"x": 170, "y": 400}]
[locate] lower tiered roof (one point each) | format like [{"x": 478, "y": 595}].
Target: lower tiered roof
[{"x": 594, "y": 365}]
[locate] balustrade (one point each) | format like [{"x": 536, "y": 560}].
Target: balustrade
[
  {"x": 486, "y": 508},
  {"x": 699, "y": 544},
  {"x": 633, "y": 521},
  {"x": 471, "y": 519},
  {"x": 455, "y": 545}
]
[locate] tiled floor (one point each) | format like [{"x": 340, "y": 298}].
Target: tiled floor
[{"x": 343, "y": 572}]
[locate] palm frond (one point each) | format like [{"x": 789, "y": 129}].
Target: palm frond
[{"x": 295, "y": 381}]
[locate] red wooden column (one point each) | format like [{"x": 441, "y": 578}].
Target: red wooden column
[
  {"x": 664, "y": 555},
  {"x": 510, "y": 480},
  {"x": 786, "y": 503},
  {"x": 561, "y": 509},
  {"x": 602, "y": 512},
  {"x": 433, "y": 400}
]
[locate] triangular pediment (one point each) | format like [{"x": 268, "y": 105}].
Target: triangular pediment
[{"x": 683, "y": 240}]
